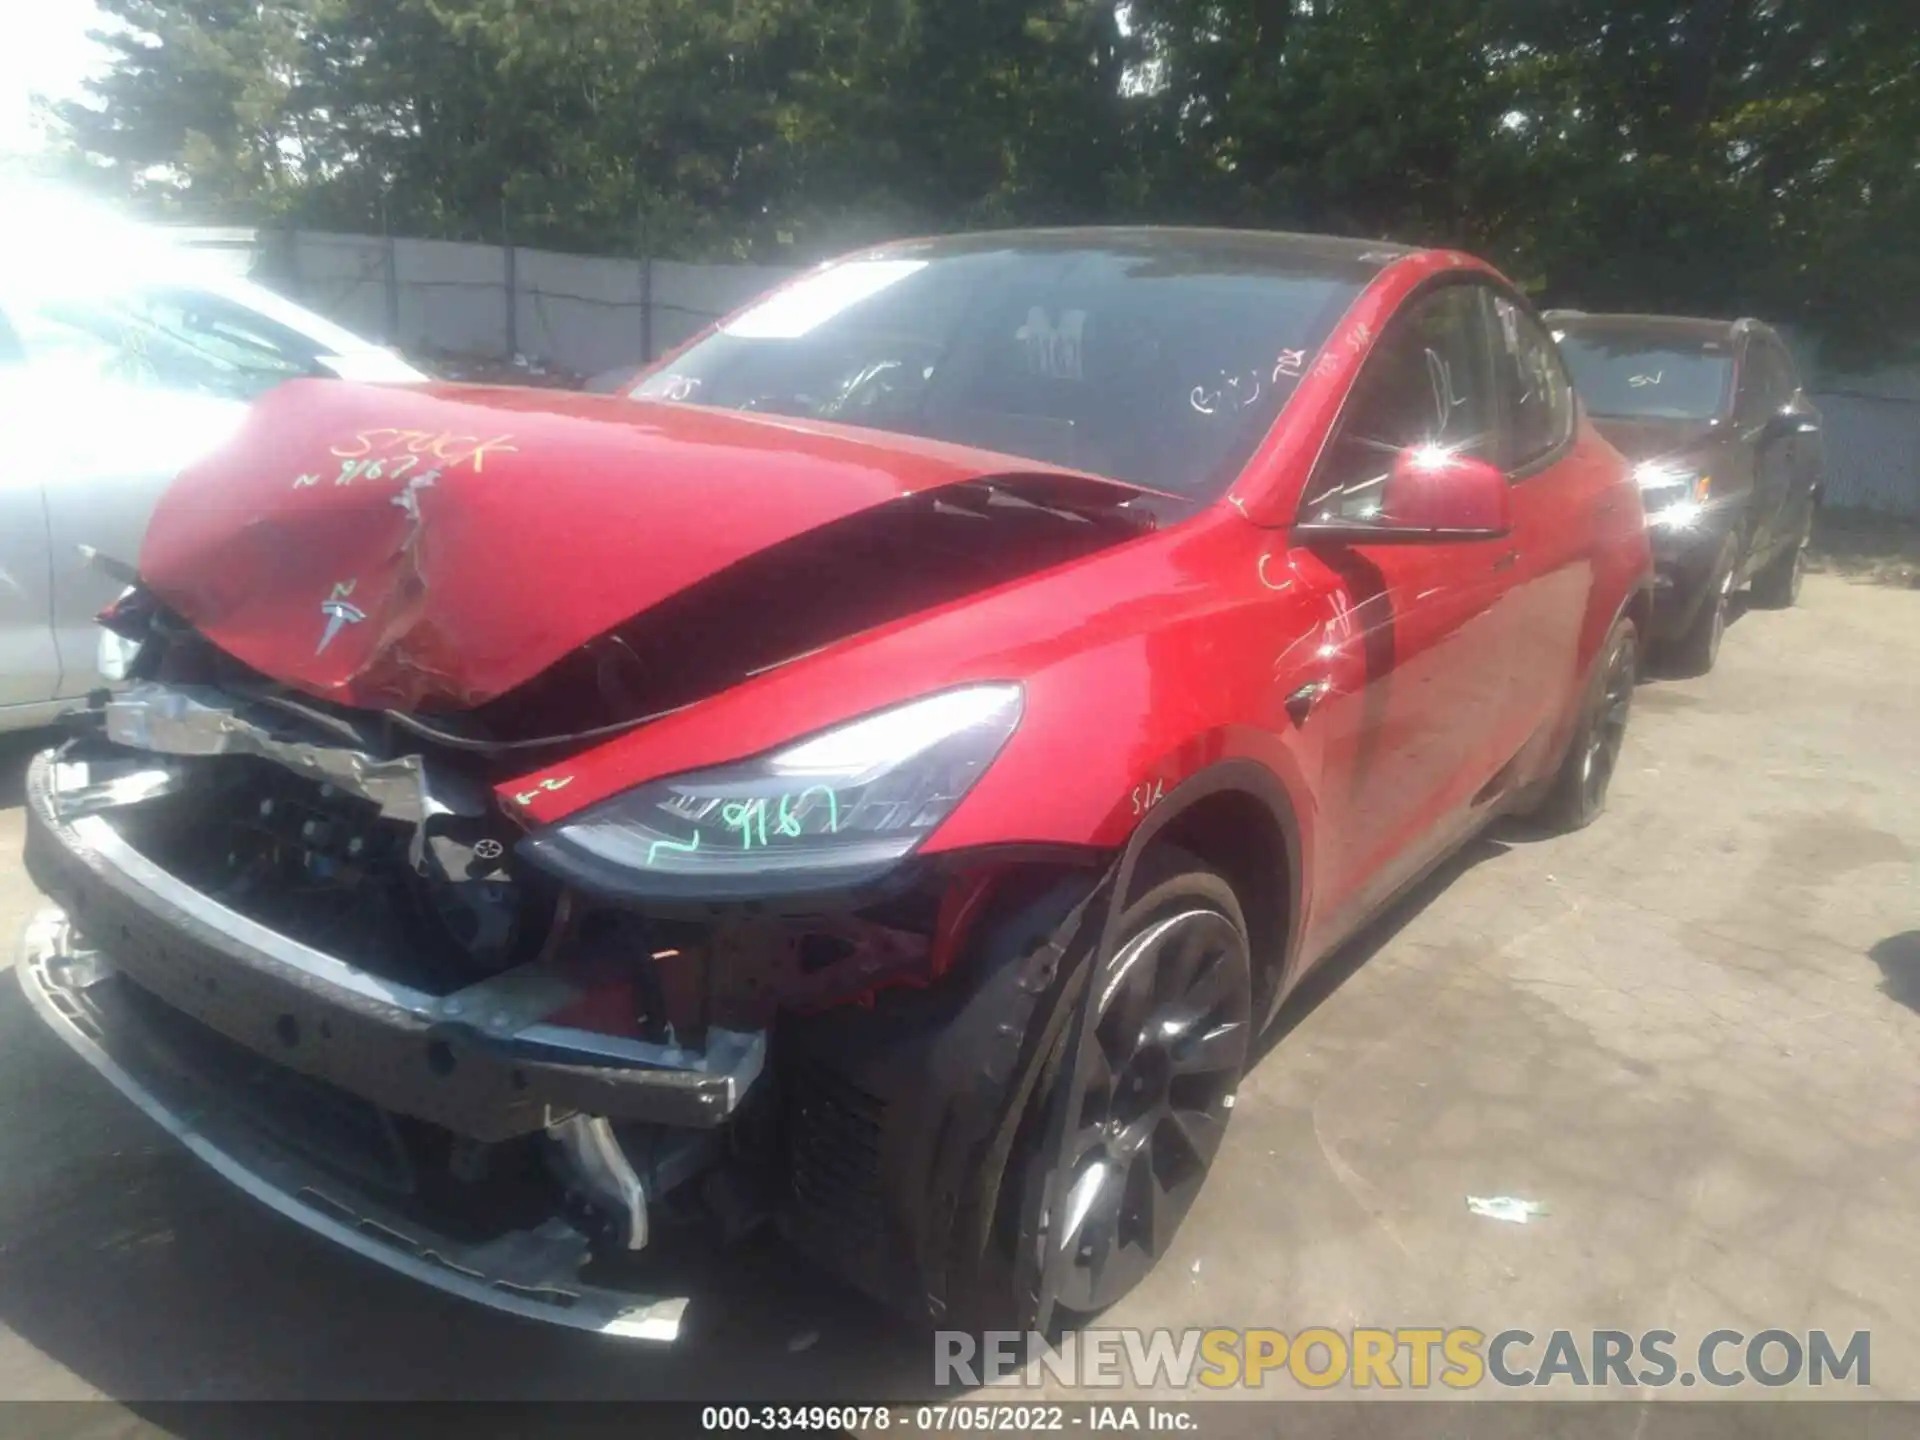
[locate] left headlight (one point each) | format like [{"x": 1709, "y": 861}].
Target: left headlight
[
  {"x": 1664, "y": 483},
  {"x": 853, "y": 799},
  {"x": 123, "y": 635},
  {"x": 114, "y": 656}
]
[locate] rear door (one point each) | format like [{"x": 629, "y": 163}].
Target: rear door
[
  {"x": 1418, "y": 668},
  {"x": 29, "y": 661},
  {"x": 1766, "y": 386},
  {"x": 116, "y": 390},
  {"x": 102, "y": 481},
  {"x": 1567, "y": 500},
  {"x": 1796, "y": 454},
  {"x": 1808, "y": 460}
]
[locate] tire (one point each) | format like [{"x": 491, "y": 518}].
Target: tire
[
  {"x": 1578, "y": 795},
  {"x": 1778, "y": 586},
  {"x": 1694, "y": 651},
  {"x": 1150, "y": 1118}
]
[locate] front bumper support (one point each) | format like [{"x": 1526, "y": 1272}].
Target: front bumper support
[
  {"x": 482, "y": 1062},
  {"x": 532, "y": 1272}
]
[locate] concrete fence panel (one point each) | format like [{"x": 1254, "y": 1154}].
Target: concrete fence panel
[
  {"x": 450, "y": 297},
  {"x": 341, "y": 276},
  {"x": 1873, "y": 451},
  {"x": 583, "y": 312}
]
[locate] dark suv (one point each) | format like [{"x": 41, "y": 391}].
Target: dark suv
[{"x": 1727, "y": 451}]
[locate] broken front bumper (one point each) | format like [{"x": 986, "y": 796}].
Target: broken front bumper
[
  {"x": 177, "y": 999},
  {"x": 533, "y": 1272},
  {"x": 483, "y": 1062}
]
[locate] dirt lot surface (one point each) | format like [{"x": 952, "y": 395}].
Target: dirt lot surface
[
  {"x": 1690, "y": 1032},
  {"x": 1861, "y": 545}
]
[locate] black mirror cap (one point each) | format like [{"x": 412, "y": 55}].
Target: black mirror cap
[{"x": 1788, "y": 423}]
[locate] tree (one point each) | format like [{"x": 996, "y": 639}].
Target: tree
[
  {"x": 197, "y": 91},
  {"x": 1690, "y": 155}
]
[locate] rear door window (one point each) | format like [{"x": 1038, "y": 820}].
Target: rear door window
[
  {"x": 1765, "y": 383},
  {"x": 1771, "y": 381}
]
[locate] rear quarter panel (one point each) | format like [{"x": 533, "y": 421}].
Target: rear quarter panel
[{"x": 1616, "y": 538}]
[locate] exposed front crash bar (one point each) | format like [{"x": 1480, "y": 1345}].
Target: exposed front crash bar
[
  {"x": 199, "y": 720},
  {"x": 484, "y": 1062},
  {"x": 534, "y": 1272}
]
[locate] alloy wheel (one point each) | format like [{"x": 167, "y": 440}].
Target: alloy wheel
[
  {"x": 1157, "y": 1092},
  {"x": 1722, "y": 602},
  {"x": 1607, "y": 731}
]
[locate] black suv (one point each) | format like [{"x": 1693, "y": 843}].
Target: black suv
[{"x": 1727, "y": 450}]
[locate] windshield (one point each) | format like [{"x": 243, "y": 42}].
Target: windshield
[
  {"x": 155, "y": 336},
  {"x": 1152, "y": 364},
  {"x": 1628, "y": 377}
]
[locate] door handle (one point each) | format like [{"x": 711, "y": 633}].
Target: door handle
[{"x": 1507, "y": 561}]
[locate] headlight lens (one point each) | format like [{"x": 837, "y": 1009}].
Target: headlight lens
[
  {"x": 114, "y": 656},
  {"x": 1681, "y": 515},
  {"x": 116, "y": 650},
  {"x": 859, "y": 795},
  {"x": 1664, "y": 483}
]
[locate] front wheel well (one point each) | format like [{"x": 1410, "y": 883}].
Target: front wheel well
[{"x": 1237, "y": 835}]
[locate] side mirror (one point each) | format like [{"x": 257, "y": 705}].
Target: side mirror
[
  {"x": 1787, "y": 423},
  {"x": 1434, "y": 490}
]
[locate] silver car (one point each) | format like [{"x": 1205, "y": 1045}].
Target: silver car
[{"x": 121, "y": 360}]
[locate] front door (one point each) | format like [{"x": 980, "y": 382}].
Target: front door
[
  {"x": 1569, "y": 506},
  {"x": 29, "y": 660},
  {"x": 1416, "y": 652},
  {"x": 1765, "y": 389}
]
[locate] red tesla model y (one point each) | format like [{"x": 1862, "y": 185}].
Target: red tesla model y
[{"x": 535, "y": 827}]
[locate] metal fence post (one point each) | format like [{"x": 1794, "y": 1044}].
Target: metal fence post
[
  {"x": 287, "y": 261},
  {"x": 513, "y": 282},
  {"x": 392, "y": 276},
  {"x": 513, "y": 301},
  {"x": 646, "y": 308}
]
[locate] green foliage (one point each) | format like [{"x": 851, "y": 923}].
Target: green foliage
[{"x": 1706, "y": 156}]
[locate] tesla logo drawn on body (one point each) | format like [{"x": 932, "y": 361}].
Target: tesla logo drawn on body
[{"x": 339, "y": 612}]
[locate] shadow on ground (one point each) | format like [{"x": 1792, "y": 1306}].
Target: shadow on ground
[
  {"x": 1866, "y": 545},
  {"x": 125, "y": 1260},
  {"x": 1898, "y": 957},
  {"x": 15, "y": 752},
  {"x": 1333, "y": 972}
]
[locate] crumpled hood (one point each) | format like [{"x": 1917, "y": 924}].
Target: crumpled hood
[
  {"x": 435, "y": 547},
  {"x": 1658, "y": 439}
]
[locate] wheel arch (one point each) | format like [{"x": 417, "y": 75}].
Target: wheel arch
[
  {"x": 1637, "y": 607},
  {"x": 1238, "y": 817}
]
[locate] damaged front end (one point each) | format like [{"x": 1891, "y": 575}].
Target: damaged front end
[
  {"x": 330, "y": 911},
  {"x": 487, "y": 1067},
  {"x": 473, "y": 1078}
]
